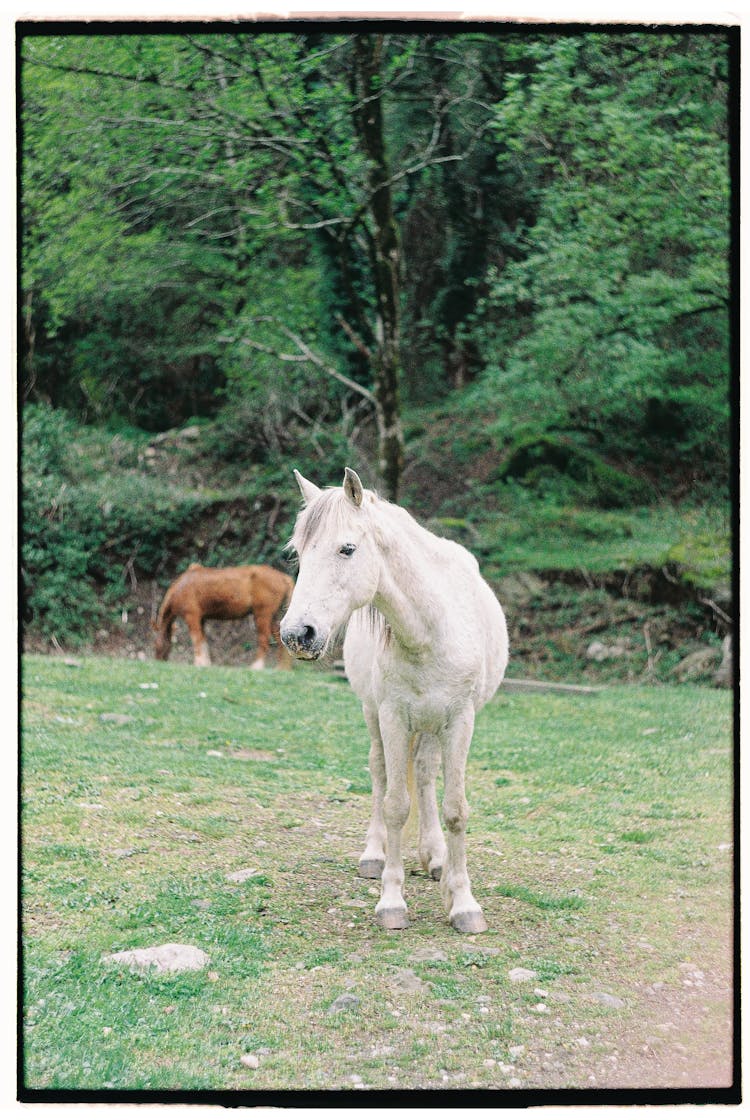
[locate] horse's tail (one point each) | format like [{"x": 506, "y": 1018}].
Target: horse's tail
[{"x": 163, "y": 627}]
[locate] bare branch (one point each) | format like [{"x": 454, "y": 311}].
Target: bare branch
[{"x": 306, "y": 354}]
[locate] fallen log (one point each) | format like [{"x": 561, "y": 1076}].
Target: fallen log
[{"x": 517, "y": 684}]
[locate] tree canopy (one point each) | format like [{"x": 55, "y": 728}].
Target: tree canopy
[{"x": 313, "y": 225}]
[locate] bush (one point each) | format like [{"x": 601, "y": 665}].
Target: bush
[
  {"x": 545, "y": 463},
  {"x": 83, "y": 527}
]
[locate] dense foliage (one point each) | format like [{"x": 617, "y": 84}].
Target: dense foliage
[
  {"x": 206, "y": 219},
  {"x": 302, "y": 235}
]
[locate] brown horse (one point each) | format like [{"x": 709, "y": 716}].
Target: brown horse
[{"x": 224, "y": 593}]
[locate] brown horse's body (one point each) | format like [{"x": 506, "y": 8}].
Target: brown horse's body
[{"x": 224, "y": 593}]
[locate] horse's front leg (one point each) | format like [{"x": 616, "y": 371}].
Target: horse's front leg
[
  {"x": 390, "y": 911},
  {"x": 464, "y": 912}
]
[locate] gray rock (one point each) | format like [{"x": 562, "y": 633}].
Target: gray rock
[
  {"x": 699, "y": 663},
  {"x": 406, "y": 980},
  {"x": 428, "y": 953},
  {"x": 345, "y": 1002},
  {"x": 517, "y": 975},
  {"x": 171, "y": 957},
  {"x": 597, "y": 651},
  {"x": 242, "y": 875},
  {"x": 608, "y": 1000}
]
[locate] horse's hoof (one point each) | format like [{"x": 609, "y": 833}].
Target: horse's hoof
[
  {"x": 470, "y": 921},
  {"x": 371, "y": 868},
  {"x": 436, "y": 872},
  {"x": 392, "y": 918}
]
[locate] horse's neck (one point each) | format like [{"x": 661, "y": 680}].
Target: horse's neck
[{"x": 405, "y": 594}]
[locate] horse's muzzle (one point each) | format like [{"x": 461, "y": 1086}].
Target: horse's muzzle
[{"x": 304, "y": 641}]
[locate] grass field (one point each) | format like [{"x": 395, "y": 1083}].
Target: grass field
[{"x": 600, "y": 848}]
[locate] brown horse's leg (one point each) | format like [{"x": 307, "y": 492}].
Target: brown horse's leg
[
  {"x": 285, "y": 657},
  {"x": 263, "y": 629},
  {"x": 201, "y": 656}
]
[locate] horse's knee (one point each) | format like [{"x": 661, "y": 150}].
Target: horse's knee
[
  {"x": 455, "y": 813},
  {"x": 396, "y": 808}
]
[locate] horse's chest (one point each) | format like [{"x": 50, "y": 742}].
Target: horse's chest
[{"x": 427, "y": 702}]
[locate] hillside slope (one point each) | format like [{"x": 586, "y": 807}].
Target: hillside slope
[{"x": 638, "y": 592}]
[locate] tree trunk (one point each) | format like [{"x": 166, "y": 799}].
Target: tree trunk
[{"x": 384, "y": 258}]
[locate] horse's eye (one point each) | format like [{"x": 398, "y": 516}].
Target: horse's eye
[{"x": 347, "y": 549}]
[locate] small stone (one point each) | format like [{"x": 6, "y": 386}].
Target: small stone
[
  {"x": 242, "y": 875},
  {"x": 597, "y": 651},
  {"x": 428, "y": 953},
  {"x": 215, "y": 754},
  {"x": 345, "y": 1002},
  {"x": 608, "y": 1000},
  {"x": 406, "y": 980},
  {"x": 252, "y": 1061},
  {"x": 517, "y": 975}
]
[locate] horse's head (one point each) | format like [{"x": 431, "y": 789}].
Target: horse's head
[{"x": 339, "y": 564}]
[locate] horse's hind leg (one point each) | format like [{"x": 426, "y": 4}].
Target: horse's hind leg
[
  {"x": 432, "y": 850},
  {"x": 464, "y": 912},
  {"x": 372, "y": 860},
  {"x": 285, "y": 657},
  {"x": 201, "y": 656}
]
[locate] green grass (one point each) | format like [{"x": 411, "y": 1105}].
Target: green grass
[
  {"x": 598, "y": 823},
  {"x": 527, "y": 533}
]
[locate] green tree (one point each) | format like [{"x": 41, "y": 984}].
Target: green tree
[
  {"x": 616, "y": 318},
  {"x": 180, "y": 189}
]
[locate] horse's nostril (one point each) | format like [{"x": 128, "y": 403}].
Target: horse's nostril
[{"x": 307, "y": 635}]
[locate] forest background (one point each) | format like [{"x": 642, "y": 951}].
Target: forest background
[{"x": 490, "y": 268}]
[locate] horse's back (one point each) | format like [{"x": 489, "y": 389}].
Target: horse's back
[{"x": 227, "y": 593}]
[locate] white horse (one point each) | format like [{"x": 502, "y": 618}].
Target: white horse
[{"x": 426, "y": 646}]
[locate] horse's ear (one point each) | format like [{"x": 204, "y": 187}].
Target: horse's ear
[
  {"x": 352, "y": 486},
  {"x": 308, "y": 490}
]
